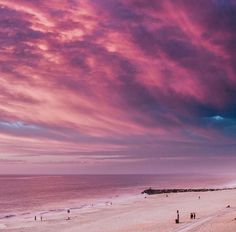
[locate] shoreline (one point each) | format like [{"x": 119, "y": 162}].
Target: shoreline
[
  {"x": 139, "y": 213},
  {"x": 76, "y": 206}
]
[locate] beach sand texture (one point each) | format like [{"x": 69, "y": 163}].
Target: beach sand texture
[{"x": 154, "y": 213}]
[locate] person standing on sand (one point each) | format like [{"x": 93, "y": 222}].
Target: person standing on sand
[
  {"x": 35, "y": 218},
  {"x": 194, "y": 215},
  {"x": 68, "y": 211},
  {"x": 177, "y": 219}
]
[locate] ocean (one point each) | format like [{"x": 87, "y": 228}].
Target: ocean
[{"x": 20, "y": 195}]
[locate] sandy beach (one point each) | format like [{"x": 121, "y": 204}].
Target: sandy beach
[{"x": 140, "y": 213}]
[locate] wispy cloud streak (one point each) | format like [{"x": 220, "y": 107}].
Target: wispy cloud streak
[{"x": 125, "y": 81}]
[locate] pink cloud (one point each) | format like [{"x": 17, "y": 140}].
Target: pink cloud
[{"x": 116, "y": 77}]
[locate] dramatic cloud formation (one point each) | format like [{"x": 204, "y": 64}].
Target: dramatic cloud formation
[{"x": 117, "y": 86}]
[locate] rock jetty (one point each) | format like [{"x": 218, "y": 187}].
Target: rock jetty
[{"x": 151, "y": 191}]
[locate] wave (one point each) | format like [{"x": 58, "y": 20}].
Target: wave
[{"x": 8, "y": 216}]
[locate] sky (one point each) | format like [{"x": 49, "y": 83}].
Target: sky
[{"x": 117, "y": 86}]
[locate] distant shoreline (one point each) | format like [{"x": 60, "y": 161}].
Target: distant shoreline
[{"x": 151, "y": 191}]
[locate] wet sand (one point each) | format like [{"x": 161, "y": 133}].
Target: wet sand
[{"x": 140, "y": 214}]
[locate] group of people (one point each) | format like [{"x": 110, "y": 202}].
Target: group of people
[
  {"x": 41, "y": 218},
  {"x": 192, "y": 216}
]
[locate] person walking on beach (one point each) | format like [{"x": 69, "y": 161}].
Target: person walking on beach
[
  {"x": 194, "y": 215},
  {"x": 41, "y": 217},
  {"x": 35, "y": 218},
  {"x": 177, "y": 219},
  {"x": 68, "y": 211}
]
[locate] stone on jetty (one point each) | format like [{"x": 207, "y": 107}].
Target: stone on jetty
[{"x": 151, "y": 191}]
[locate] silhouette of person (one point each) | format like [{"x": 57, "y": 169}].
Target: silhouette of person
[
  {"x": 177, "y": 220},
  {"x": 68, "y": 211}
]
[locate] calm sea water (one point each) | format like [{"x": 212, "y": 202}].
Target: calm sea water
[{"x": 20, "y": 194}]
